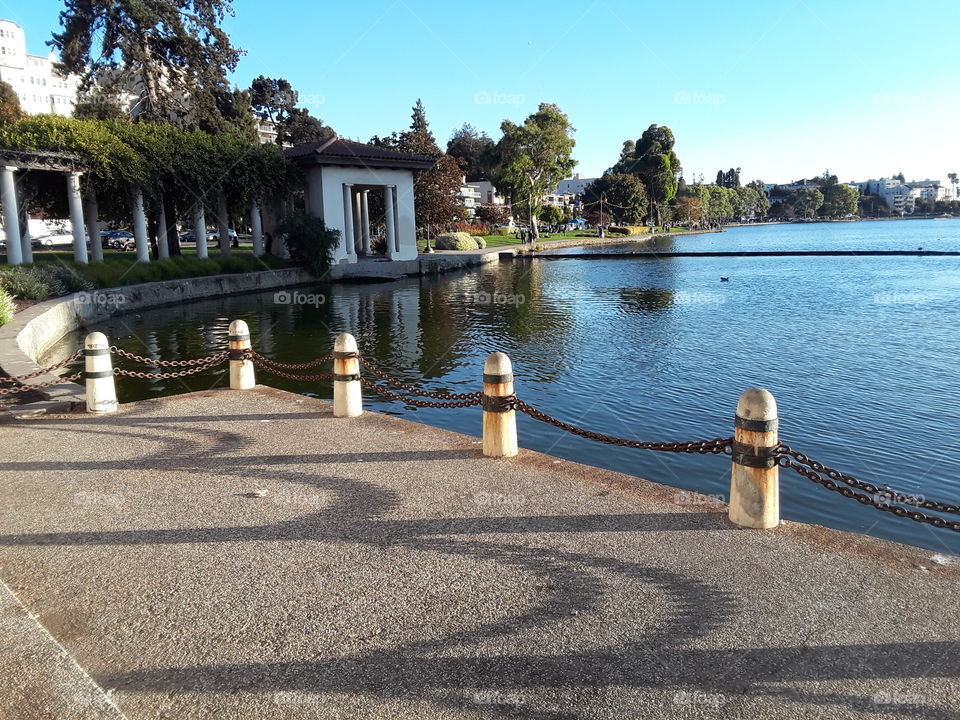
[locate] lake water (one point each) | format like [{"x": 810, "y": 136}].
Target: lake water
[{"x": 861, "y": 354}]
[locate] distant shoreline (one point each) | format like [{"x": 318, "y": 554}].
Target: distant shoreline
[{"x": 851, "y": 220}]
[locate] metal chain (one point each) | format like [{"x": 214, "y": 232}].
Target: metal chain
[
  {"x": 472, "y": 399},
  {"x": 48, "y": 383},
  {"x": 169, "y": 363},
  {"x": 876, "y": 501},
  {"x": 11, "y": 379},
  {"x": 716, "y": 446},
  {"x": 886, "y": 493},
  {"x": 211, "y": 363},
  {"x": 263, "y": 360},
  {"x": 292, "y": 376},
  {"x": 417, "y": 391}
]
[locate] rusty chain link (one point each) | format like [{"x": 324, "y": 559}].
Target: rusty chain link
[
  {"x": 417, "y": 391},
  {"x": 210, "y": 363},
  {"x": 48, "y": 383},
  {"x": 12, "y": 379},
  {"x": 471, "y": 399},
  {"x": 169, "y": 363},
  {"x": 263, "y": 361},
  {"x": 716, "y": 446}
]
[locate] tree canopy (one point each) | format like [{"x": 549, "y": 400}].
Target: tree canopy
[
  {"x": 475, "y": 152},
  {"x": 653, "y": 160},
  {"x": 10, "y": 109},
  {"x": 624, "y": 197},
  {"x": 275, "y": 100}
]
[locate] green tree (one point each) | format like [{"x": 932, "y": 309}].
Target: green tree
[
  {"x": 275, "y": 100},
  {"x": 763, "y": 202},
  {"x": 624, "y": 197},
  {"x": 839, "y": 201},
  {"x": 806, "y": 201},
  {"x": 550, "y": 215},
  {"x": 174, "y": 51},
  {"x": 535, "y": 156},
  {"x": 953, "y": 181},
  {"x": 475, "y": 152},
  {"x": 655, "y": 163},
  {"x": 10, "y": 109}
]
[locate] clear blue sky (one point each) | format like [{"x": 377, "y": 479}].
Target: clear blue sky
[{"x": 781, "y": 89}]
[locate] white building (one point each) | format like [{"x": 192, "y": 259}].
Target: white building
[
  {"x": 573, "y": 186},
  {"x": 469, "y": 196},
  {"x": 39, "y": 87},
  {"x": 488, "y": 194}
]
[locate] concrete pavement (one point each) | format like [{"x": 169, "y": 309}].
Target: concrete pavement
[{"x": 246, "y": 555}]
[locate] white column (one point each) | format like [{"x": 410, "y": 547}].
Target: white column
[
  {"x": 391, "y": 225},
  {"x": 364, "y": 222},
  {"x": 76, "y": 218},
  {"x": 140, "y": 227},
  {"x": 163, "y": 247},
  {"x": 256, "y": 228},
  {"x": 223, "y": 224},
  {"x": 23, "y": 211},
  {"x": 349, "y": 249},
  {"x": 357, "y": 221},
  {"x": 200, "y": 230},
  {"x": 92, "y": 212},
  {"x": 11, "y": 218}
]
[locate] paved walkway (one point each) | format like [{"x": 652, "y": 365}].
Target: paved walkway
[{"x": 246, "y": 555}]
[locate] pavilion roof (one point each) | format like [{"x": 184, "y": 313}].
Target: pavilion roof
[
  {"x": 40, "y": 160},
  {"x": 337, "y": 151}
]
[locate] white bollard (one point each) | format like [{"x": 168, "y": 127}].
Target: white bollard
[
  {"x": 347, "y": 397},
  {"x": 98, "y": 367},
  {"x": 755, "y": 479},
  {"x": 499, "y": 424},
  {"x": 241, "y": 368}
]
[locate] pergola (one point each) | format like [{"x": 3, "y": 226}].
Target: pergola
[
  {"x": 340, "y": 176},
  {"x": 84, "y": 220}
]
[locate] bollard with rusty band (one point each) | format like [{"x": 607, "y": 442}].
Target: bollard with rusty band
[
  {"x": 499, "y": 421},
  {"x": 241, "y": 367},
  {"x": 754, "y": 481},
  {"x": 98, "y": 374},
  {"x": 347, "y": 397}
]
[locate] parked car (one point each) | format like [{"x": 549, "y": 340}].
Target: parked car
[
  {"x": 189, "y": 236},
  {"x": 231, "y": 233},
  {"x": 53, "y": 240},
  {"x": 117, "y": 239}
]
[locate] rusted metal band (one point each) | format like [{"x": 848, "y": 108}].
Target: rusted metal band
[
  {"x": 238, "y": 354},
  {"x": 92, "y": 352},
  {"x": 498, "y": 404},
  {"x": 346, "y": 378},
  {"x": 238, "y": 338},
  {"x": 756, "y": 425},
  {"x": 97, "y": 374},
  {"x": 345, "y": 354},
  {"x": 498, "y": 379},
  {"x": 750, "y": 456}
]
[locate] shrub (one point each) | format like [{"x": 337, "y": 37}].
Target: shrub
[
  {"x": 310, "y": 243},
  {"x": 481, "y": 243},
  {"x": 6, "y": 307},
  {"x": 472, "y": 228},
  {"x": 614, "y": 230},
  {"x": 60, "y": 279},
  {"x": 21, "y": 282},
  {"x": 455, "y": 241},
  {"x": 501, "y": 231}
]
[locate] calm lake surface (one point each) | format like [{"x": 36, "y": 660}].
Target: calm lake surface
[{"x": 861, "y": 354}]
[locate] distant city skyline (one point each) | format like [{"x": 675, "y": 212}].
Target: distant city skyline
[{"x": 782, "y": 91}]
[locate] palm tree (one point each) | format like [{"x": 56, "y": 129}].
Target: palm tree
[{"x": 953, "y": 179}]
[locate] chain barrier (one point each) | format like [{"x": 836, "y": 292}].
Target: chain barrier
[
  {"x": 37, "y": 386},
  {"x": 417, "y": 391},
  {"x": 471, "y": 399},
  {"x": 263, "y": 361},
  {"x": 716, "y": 446},
  {"x": 208, "y": 364},
  {"x": 13, "y": 379},
  {"x": 168, "y": 363}
]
